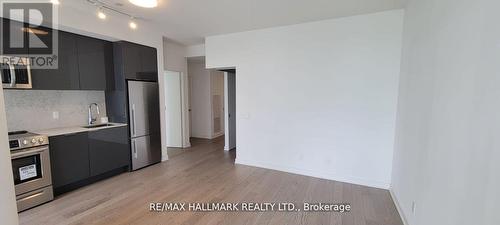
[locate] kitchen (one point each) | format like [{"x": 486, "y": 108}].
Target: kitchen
[{"x": 95, "y": 116}]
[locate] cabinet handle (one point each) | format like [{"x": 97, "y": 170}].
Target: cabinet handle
[
  {"x": 31, "y": 196},
  {"x": 31, "y": 152}
]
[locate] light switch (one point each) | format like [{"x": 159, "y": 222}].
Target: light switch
[
  {"x": 244, "y": 116},
  {"x": 55, "y": 115}
]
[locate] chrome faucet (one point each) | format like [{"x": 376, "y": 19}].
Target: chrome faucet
[{"x": 92, "y": 120}]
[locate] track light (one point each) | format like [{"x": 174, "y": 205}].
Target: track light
[
  {"x": 132, "y": 24},
  {"x": 103, "y": 8},
  {"x": 101, "y": 14}
]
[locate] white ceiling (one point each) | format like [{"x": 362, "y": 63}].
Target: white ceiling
[{"x": 189, "y": 21}]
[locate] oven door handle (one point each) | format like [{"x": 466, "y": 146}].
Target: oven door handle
[
  {"x": 12, "y": 76},
  {"x": 28, "y": 152}
]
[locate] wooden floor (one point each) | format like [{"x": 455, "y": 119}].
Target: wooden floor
[{"x": 206, "y": 173}]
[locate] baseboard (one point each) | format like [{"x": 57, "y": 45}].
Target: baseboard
[
  {"x": 398, "y": 206},
  {"x": 201, "y": 137},
  {"x": 217, "y": 135},
  {"x": 317, "y": 174}
]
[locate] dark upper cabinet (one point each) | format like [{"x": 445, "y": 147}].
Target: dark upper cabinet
[
  {"x": 95, "y": 62},
  {"x": 84, "y": 63},
  {"x": 134, "y": 61},
  {"x": 66, "y": 76},
  {"x": 69, "y": 158},
  {"x": 108, "y": 150},
  {"x": 149, "y": 61},
  {"x": 17, "y": 41},
  {"x": 131, "y": 60}
]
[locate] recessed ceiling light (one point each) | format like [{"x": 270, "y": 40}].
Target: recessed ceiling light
[
  {"x": 145, "y": 3},
  {"x": 132, "y": 25}
]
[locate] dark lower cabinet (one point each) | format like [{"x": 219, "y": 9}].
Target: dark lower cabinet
[
  {"x": 69, "y": 159},
  {"x": 84, "y": 158},
  {"x": 108, "y": 150}
]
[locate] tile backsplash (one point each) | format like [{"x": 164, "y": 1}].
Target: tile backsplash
[{"x": 33, "y": 109}]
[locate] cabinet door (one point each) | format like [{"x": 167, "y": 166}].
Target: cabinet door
[
  {"x": 138, "y": 62},
  {"x": 108, "y": 149},
  {"x": 17, "y": 38},
  {"x": 95, "y": 62},
  {"x": 149, "y": 63},
  {"x": 69, "y": 158},
  {"x": 66, "y": 77},
  {"x": 131, "y": 60}
]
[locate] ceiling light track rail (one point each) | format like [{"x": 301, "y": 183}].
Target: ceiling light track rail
[{"x": 101, "y": 6}]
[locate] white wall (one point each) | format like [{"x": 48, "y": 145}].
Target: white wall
[
  {"x": 175, "y": 60},
  {"x": 201, "y": 123},
  {"x": 195, "y": 51},
  {"x": 173, "y": 103},
  {"x": 8, "y": 207},
  {"x": 448, "y": 126},
  {"x": 317, "y": 98}
]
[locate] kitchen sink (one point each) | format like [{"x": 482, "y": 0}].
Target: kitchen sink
[{"x": 99, "y": 125}]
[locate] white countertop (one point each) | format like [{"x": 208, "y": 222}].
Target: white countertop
[{"x": 75, "y": 129}]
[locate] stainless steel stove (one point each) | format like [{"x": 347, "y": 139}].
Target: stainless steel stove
[{"x": 31, "y": 168}]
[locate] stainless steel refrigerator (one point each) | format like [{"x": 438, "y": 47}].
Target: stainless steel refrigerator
[{"x": 144, "y": 121}]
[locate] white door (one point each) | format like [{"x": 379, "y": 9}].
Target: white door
[
  {"x": 173, "y": 108},
  {"x": 230, "y": 112}
]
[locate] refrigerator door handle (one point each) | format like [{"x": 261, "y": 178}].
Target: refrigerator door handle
[
  {"x": 134, "y": 149},
  {"x": 133, "y": 120}
]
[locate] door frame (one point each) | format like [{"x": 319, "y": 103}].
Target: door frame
[{"x": 227, "y": 128}]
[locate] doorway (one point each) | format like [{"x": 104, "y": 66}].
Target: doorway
[{"x": 230, "y": 112}]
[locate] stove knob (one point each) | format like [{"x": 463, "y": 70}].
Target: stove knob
[
  {"x": 25, "y": 142},
  {"x": 33, "y": 141},
  {"x": 40, "y": 140}
]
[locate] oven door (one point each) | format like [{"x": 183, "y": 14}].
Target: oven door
[{"x": 31, "y": 169}]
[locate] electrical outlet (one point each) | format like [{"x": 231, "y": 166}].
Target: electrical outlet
[
  {"x": 414, "y": 208},
  {"x": 55, "y": 115}
]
